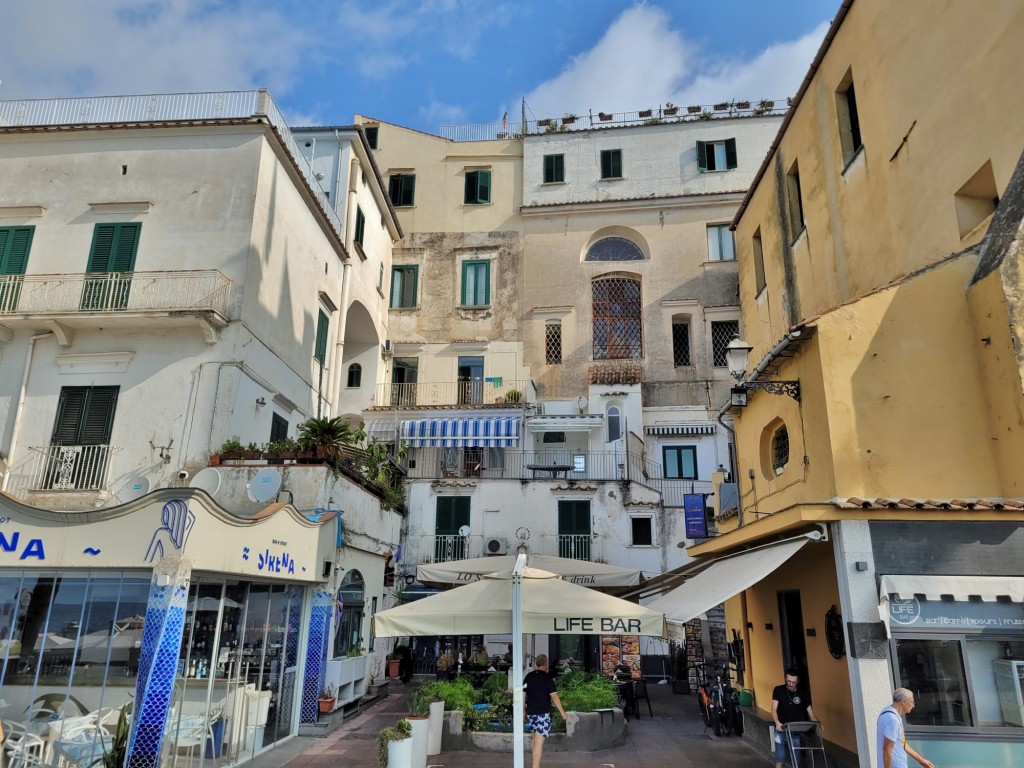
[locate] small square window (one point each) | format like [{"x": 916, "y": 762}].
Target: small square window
[
  {"x": 402, "y": 189},
  {"x": 642, "y": 531},
  {"x": 478, "y": 187},
  {"x": 554, "y": 169},
  {"x": 716, "y": 155},
  {"x": 720, "y": 243},
  {"x": 611, "y": 163}
]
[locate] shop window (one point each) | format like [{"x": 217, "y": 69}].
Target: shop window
[
  {"x": 996, "y": 677},
  {"x": 934, "y": 671},
  {"x": 349, "y": 600}
]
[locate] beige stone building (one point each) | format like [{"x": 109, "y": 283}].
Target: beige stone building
[{"x": 880, "y": 444}]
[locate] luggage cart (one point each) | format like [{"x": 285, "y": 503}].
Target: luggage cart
[{"x": 804, "y": 744}]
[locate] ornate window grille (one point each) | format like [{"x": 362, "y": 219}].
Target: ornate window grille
[
  {"x": 721, "y": 334},
  {"x": 618, "y": 326},
  {"x": 553, "y": 343},
  {"x": 681, "y": 344}
]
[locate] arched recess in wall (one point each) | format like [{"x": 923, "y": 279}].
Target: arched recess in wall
[
  {"x": 616, "y": 244},
  {"x": 775, "y": 451}
]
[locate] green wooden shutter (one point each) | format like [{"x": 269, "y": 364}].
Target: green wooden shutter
[
  {"x": 606, "y": 164},
  {"x": 114, "y": 247},
  {"x": 395, "y": 189},
  {"x": 409, "y": 189},
  {"x": 322, "y": 324},
  {"x": 14, "y": 247},
  {"x": 702, "y": 156},
  {"x": 470, "y": 196},
  {"x": 730, "y": 153},
  {"x": 559, "y": 167},
  {"x": 85, "y": 416}
]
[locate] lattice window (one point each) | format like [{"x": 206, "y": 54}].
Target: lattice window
[
  {"x": 553, "y": 343},
  {"x": 618, "y": 327},
  {"x": 721, "y": 334},
  {"x": 681, "y": 344},
  {"x": 780, "y": 449},
  {"x": 614, "y": 249}
]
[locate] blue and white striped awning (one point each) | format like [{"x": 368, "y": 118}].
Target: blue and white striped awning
[{"x": 454, "y": 433}]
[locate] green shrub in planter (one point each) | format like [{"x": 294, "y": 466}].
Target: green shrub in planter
[
  {"x": 457, "y": 694},
  {"x": 496, "y": 682},
  {"x": 397, "y": 732},
  {"x": 422, "y": 695},
  {"x": 583, "y": 692}
]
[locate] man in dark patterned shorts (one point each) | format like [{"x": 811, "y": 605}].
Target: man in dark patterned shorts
[{"x": 540, "y": 692}]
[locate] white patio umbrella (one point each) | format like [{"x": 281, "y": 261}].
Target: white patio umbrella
[
  {"x": 577, "y": 571},
  {"x": 521, "y": 600}
]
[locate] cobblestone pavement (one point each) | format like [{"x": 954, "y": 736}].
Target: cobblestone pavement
[{"x": 674, "y": 736}]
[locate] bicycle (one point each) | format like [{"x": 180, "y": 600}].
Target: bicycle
[
  {"x": 703, "y": 696},
  {"x": 724, "y": 706}
]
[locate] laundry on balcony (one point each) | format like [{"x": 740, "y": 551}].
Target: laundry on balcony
[{"x": 451, "y": 433}]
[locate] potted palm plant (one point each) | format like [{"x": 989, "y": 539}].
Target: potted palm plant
[{"x": 326, "y": 435}]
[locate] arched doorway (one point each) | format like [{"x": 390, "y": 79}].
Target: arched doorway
[{"x": 349, "y": 620}]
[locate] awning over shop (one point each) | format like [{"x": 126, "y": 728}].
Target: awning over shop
[
  {"x": 680, "y": 429},
  {"x": 960, "y": 588},
  {"x": 582, "y": 572},
  {"x": 723, "y": 579},
  {"x": 502, "y": 432}
]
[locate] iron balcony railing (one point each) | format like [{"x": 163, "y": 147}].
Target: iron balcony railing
[
  {"x": 673, "y": 491},
  {"x": 487, "y": 391},
  {"x": 653, "y": 116},
  {"x": 505, "y": 464},
  {"x": 193, "y": 291},
  {"x": 448, "y": 548},
  {"x": 70, "y": 467}
]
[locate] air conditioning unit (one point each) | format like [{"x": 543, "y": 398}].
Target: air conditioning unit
[
  {"x": 387, "y": 349},
  {"x": 496, "y": 547}
]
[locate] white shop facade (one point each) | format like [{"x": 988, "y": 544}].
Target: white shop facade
[{"x": 212, "y": 628}]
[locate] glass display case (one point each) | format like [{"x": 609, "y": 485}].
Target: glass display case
[{"x": 1010, "y": 685}]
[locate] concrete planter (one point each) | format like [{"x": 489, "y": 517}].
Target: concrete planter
[
  {"x": 435, "y": 729},
  {"x": 593, "y": 731}
]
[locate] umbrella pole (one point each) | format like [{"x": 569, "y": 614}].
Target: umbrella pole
[{"x": 517, "y": 661}]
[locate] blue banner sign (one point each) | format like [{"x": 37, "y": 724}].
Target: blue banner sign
[{"x": 693, "y": 511}]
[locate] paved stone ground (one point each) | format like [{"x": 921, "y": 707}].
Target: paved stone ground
[{"x": 674, "y": 736}]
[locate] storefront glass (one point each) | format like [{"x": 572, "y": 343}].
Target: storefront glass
[
  {"x": 70, "y": 646},
  {"x": 349, "y": 619}
]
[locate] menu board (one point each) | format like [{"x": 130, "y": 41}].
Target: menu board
[{"x": 624, "y": 649}]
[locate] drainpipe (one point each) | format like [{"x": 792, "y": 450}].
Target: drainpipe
[
  {"x": 21, "y": 405},
  {"x": 337, "y": 369},
  {"x": 768, "y": 359}
]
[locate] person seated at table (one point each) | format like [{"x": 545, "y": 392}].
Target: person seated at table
[
  {"x": 507, "y": 658},
  {"x": 479, "y": 657}
]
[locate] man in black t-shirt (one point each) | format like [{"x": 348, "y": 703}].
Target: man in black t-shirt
[
  {"x": 540, "y": 691},
  {"x": 789, "y": 704}
]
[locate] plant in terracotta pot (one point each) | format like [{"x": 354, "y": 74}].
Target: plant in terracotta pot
[
  {"x": 670, "y": 108},
  {"x": 326, "y": 435},
  {"x": 327, "y": 699}
]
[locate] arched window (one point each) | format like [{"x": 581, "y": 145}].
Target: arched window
[
  {"x": 780, "y": 449},
  {"x": 618, "y": 327},
  {"x": 355, "y": 375},
  {"x": 614, "y": 423},
  {"x": 614, "y": 249},
  {"x": 348, "y": 602}
]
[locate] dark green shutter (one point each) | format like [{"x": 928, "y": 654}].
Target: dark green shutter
[
  {"x": 360, "y": 225},
  {"x": 452, "y": 514},
  {"x": 559, "y": 167},
  {"x": 85, "y": 416},
  {"x": 484, "y": 187},
  {"x": 395, "y": 189},
  {"x": 702, "y": 156},
  {"x": 606, "y": 164},
  {"x": 470, "y": 196},
  {"x": 409, "y": 189},
  {"x": 730, "y": 153},
  {"x": 14, "y": 247},
  {"x": 114, "y": 247},
  {"x": 320, "y": 351}
]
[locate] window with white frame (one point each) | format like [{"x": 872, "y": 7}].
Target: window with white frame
[
  {"x": 720, "y": 243},
  {"x": 641, "y": 531}
]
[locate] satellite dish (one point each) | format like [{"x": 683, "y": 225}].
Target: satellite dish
[
  {"x": 463, "y": 531},
  {"x": 264, "y": 485},
  {"x": 207, "y": 480},
  {"x": 136, "y": 488}
]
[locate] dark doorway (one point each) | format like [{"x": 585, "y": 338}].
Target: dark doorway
[{"x": 791, "y": 624}]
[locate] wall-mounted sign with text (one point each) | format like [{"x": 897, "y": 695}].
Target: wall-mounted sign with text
[{"x": 954, "y": 616}]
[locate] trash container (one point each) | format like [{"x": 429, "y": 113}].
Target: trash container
[
  {"x": 215, "y": 741},
  {"x": 746, "y": 698}
]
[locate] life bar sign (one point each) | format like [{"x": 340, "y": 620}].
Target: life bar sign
[{"x": 693, "y": 512}]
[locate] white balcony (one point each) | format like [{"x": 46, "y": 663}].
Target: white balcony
[
  {"x": 69, "y": 467},
  {"x": 449, "y": 548},
  {"x": 65, "y": 301}
]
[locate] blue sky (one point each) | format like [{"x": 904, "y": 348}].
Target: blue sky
[{"x": 419, "y": 63}]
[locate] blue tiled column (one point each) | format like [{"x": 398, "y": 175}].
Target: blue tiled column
[
  {"x": 158, "y": 664},
  {"x": 316, "y": 653}
]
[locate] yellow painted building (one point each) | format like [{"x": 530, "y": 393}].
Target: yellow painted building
[{"x": 879, "y": 252}]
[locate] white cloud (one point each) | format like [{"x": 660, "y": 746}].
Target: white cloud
[
  {"x": 54, "y": 48},
  {"x": 439, "y": 113},
  {"x": 641, "y": 62}
]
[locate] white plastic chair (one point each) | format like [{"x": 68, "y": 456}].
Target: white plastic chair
[{"x": 22, "y": 747}]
